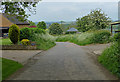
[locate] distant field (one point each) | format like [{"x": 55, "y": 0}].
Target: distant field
[{"x": 5, "y": 41}]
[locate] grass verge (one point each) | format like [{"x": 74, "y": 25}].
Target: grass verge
[
  {"x": 5, "y": 41},
  {"x": 9, "y": 67}
]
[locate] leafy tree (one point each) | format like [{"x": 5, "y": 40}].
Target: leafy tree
[
  {"x": 97, "y": 19},
  {"x": 42, "y": 25},
  {"x": 55, "y": 29},
  {"x": 32, "y": 23},
  {"x": 18, "y": 8}
]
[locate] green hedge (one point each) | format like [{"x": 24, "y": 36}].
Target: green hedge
[
  {"x": 101, "y": 36},
  {"x": 27, "y": 33}
]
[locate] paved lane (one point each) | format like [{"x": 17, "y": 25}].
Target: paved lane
[{"x": 65, "y": 61}]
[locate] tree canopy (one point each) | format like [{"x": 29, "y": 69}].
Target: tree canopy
[
  {"x": 17, "y": 8},
  {"x": 55, "y": 29},
  {"x": 32, "y": 23},
  {"x": 97, "y": 19},
  {"x": 41, "y": 25}
]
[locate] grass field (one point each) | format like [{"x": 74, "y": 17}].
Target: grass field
[
  {"x": 5, "y": 41},
  {"x": 9, "y": 67}
]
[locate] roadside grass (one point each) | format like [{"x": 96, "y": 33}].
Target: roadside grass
[
  {"x": 5, "y": 41},
  {"x": 44, "y": 41},
  {"x": 85, "y": 38},
  {"x": 9, "y": 67}
]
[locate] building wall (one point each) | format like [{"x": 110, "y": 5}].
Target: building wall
[{"x": 22, "y": 26}]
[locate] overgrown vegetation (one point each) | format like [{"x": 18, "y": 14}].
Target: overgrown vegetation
[
  {"x": 85, "y": 38},
  {"x": 43, "y": 40},
  {"x": 9, "y": 67},
  {"x": 110, "y": 57}
]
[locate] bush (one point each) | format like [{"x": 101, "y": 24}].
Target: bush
[
  {"x": 85, "y": 38},
  {"x": 110, "y": 58},
  {"x": 101, "y": 37},
  {"x": 27, "y": 33},
  {"x": 116, "y": 37},
  {"x": 14, "y": 33},
  {"x": 44, "y": 41},
  {"x": 25, "y": 42},
  {"x": 24, "y": 33}
]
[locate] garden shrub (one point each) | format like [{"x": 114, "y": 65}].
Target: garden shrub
[
  {"x": 24, "y": 33},
  {"x": 27, "y": 33},
  {"x": 37, "y": 30},
  {"x": 25, "y": 42},
  {"x": 14, "y": 33},
  {"x": 101, "y": 36}
]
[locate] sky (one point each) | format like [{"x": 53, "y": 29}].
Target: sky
[{"x": 64, "y": 10}]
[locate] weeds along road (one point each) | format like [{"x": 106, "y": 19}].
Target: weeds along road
[{"x": 65, "y": 61}]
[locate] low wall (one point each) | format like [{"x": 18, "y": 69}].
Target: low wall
[{"x": 17, "y": 47}]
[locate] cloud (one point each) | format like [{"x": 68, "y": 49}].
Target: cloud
[
  {"x": 80, "y": 0},
  {"x": 69, "y": 11}
]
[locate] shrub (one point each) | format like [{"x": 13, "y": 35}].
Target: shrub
[
  {"x": 27, "y": 33},
  {"x": 24, "y": 33},
  {"x": 44, "y": 41},
  {"x": 110, "y": 58},
  {"x": 37, "y": 30},
  {"x": 100, "y": 37},
  {"x": 14, "y": 33},
  {"x": 116, "y": 37},
  {"x": 25, "y": 42}
]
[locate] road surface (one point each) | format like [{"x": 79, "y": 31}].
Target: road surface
[{"x": 65, "y": 61}]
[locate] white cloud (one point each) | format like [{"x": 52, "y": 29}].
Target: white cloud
[{"x": 80, "y": 0}]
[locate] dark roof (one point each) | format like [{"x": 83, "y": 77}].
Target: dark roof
[
  {"x": 72, "y": 30},
  {"x": 14, "y": 20}
]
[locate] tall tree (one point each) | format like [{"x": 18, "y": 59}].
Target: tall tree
[
  {"x": 55, "y": 29},
  {"x": 18, "y": 8},
  {"x": 97, "y": 19},
  {"x": 41, "y": 25}
]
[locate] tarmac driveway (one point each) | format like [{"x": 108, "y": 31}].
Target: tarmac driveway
[{"x": 65, "y": 61}]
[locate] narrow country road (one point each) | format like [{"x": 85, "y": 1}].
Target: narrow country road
[{"x": 65, "y": 61}]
